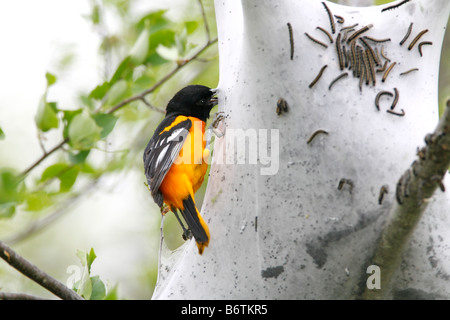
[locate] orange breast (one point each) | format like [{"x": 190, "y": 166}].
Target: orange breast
[{"x": 188, "y": 171}]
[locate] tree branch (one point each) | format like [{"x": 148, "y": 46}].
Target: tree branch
[
  {"x": 18, "y": 296},
  {"x": 414, "y": 189},
  {"x": 44, "y": 156},
  {"x": 37, "y": 275}
]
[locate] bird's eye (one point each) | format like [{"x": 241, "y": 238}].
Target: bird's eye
[{"x": 203, "y": 101}]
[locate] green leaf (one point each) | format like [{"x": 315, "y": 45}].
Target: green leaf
[
  {"x": 87, "y": 168},
  {"x": 90, "y": 259},
  {"x": 87, "y": 101},
  {"x": 140, "y": 49},
  {"x": 46, "y": 116},
  {"x": 117, "y": 92},
  {"x": 2, "y": 134},
  {"x": 155, "y": 19},
  {"x": 191, "y": 26},
  {"x": 53, "y": 171},
  {"x": 112, "y": 293},
  {"x": 100, "y": 91},
  {"x": 83, "y": 132},
  {"x": 155, "y": 59},
  {"x": 106, "y": 122},
  {"x": 67, "y": 175},
  {"x": 79, "y": 156},
  {"x": 82, "y": 255},
  {"x": 51, "y": 79},
  {"x": 37, "y": 201},
  {"x": 85, "y": 285},
  {"x": 86, "y": 259},
  {"x": 68, "y": 179},
  {"x": 142, "y": 82},
  {"x": 181, "y": 42},
  {"x": 9, "y": 187},
  {"x": 166, "y": 37},
  {"x": 170, "y": 54},
  {"x": 68, "y": 116},
  {"x": 11, "y": 192},
  {"x": 7, "y": 210},
  {"x": 95, "y": 16},
  {"x": 123, "y": 71},
  {"x": 98, "y": 289}
]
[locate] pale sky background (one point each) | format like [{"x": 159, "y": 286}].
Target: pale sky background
[{"x": 31, "y": 33}]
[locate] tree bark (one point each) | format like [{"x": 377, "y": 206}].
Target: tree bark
[{"x": 298, "y": 214}]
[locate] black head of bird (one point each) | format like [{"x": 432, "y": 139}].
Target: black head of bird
[{"x": 192, "y": 101}]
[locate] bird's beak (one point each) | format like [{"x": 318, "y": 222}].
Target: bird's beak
[{"x": 214, "y": 100}]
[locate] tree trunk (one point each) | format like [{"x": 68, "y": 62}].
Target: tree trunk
[{"x": 294, "y": 215}]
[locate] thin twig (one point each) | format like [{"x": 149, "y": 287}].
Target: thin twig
[
  {"x": 206, "y": 21},
  {"x": 148, "y": 104},
  {"x": 37, "y": 275},
  {"x": 41, "y": 143}
]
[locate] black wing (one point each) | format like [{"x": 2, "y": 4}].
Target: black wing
[{"x": 161, "y": 152}]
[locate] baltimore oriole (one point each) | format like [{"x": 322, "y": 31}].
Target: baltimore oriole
[{"x": 175, "y": 157}]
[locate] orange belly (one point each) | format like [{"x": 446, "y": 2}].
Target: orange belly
[{"x": 187, "y": 173}]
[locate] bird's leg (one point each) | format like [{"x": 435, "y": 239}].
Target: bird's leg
[
  {"x": 164, "y": 209},
  {"x": 218, "y": 118},
  {"x": 187, "y": 234}
]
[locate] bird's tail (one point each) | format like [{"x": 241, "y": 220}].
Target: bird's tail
[{"x": 196, "y": 224}]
